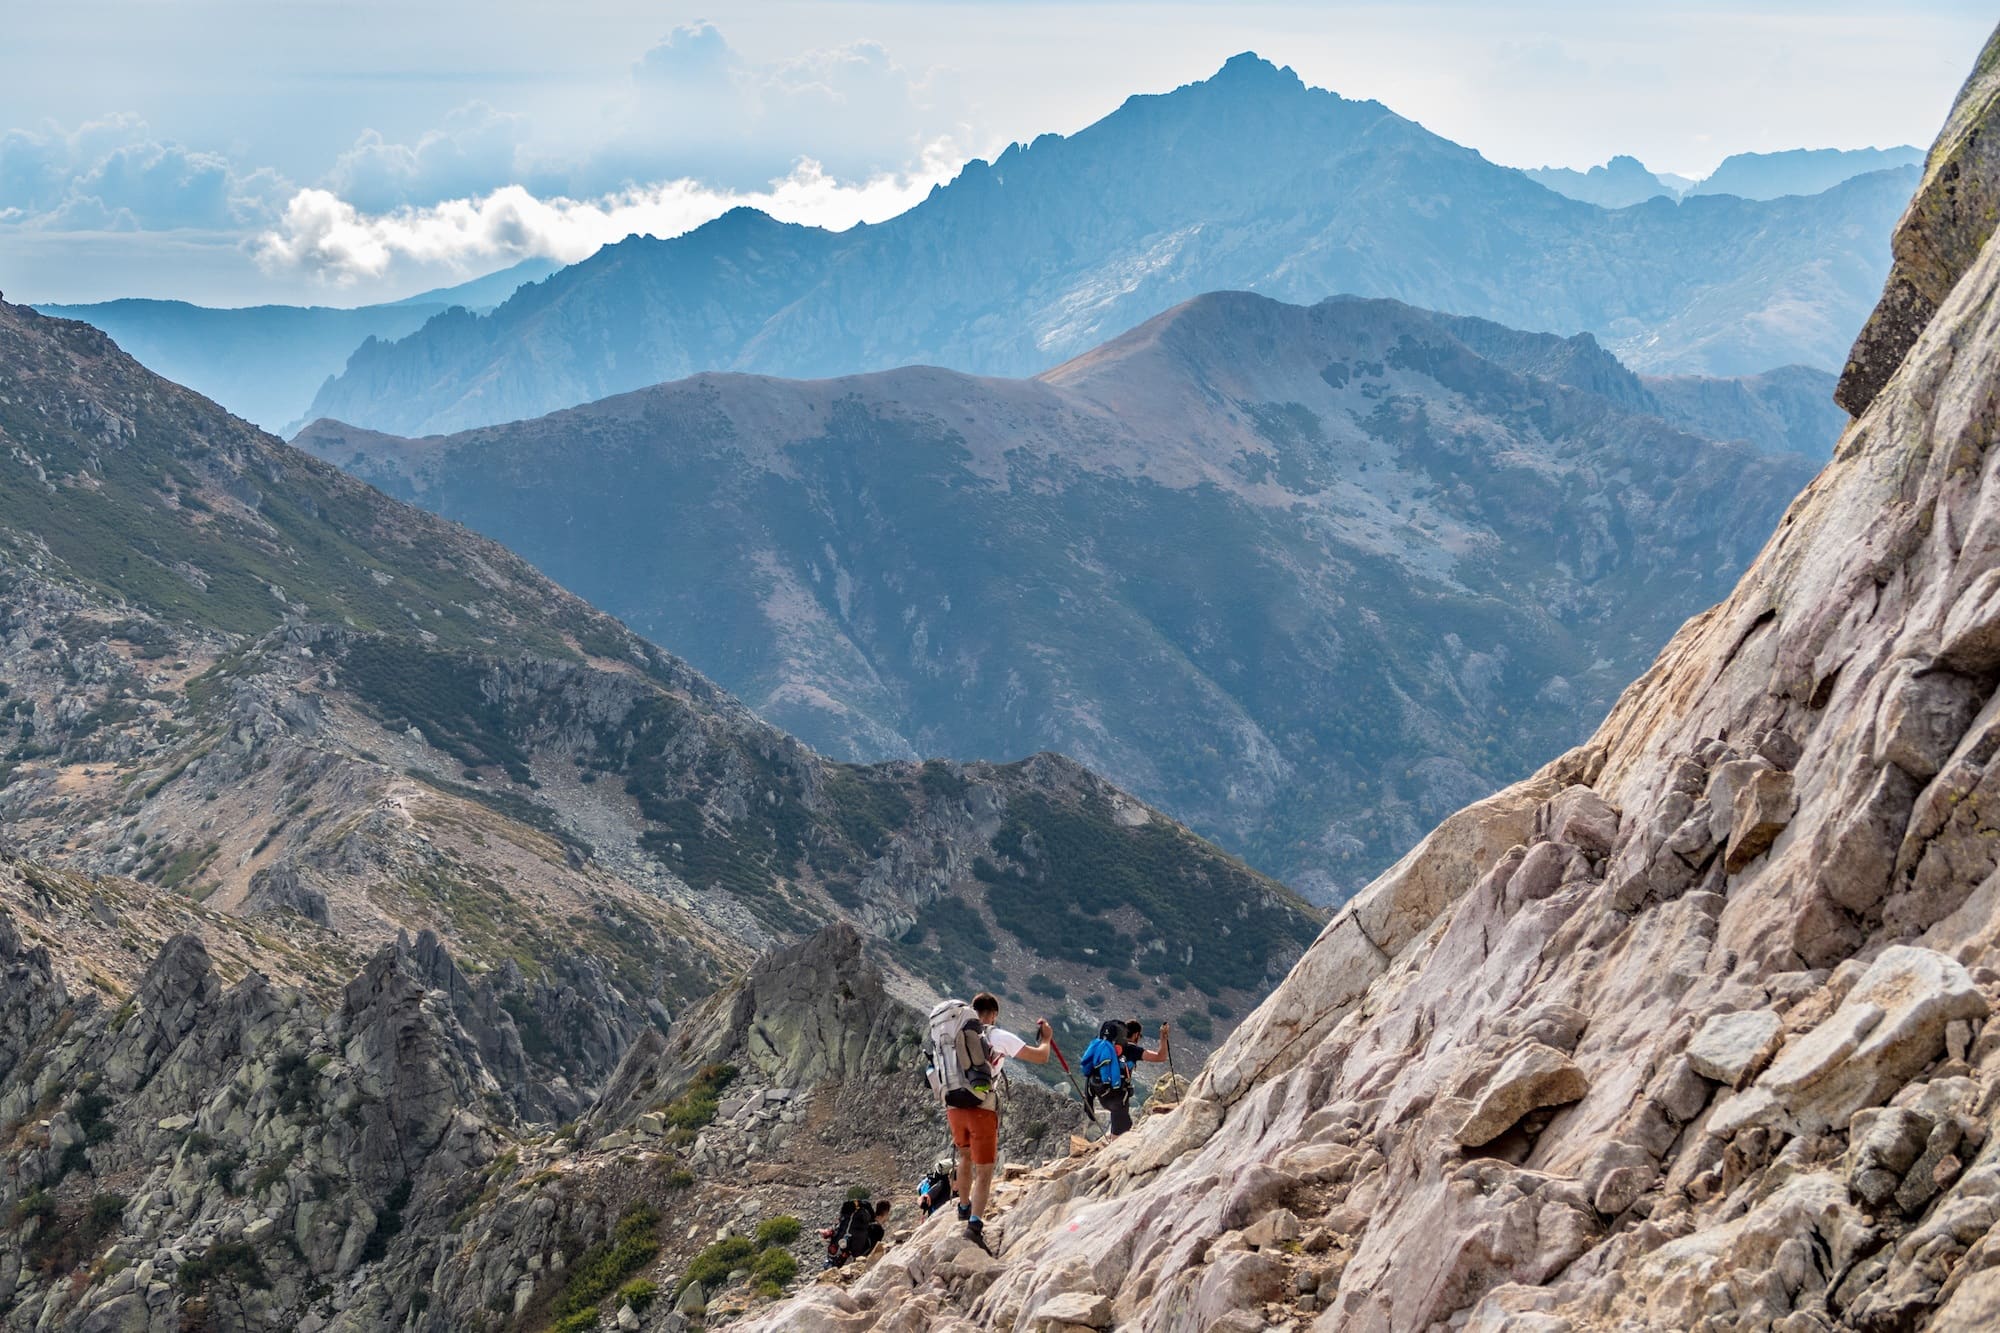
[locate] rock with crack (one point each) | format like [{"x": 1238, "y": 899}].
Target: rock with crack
[
  {"x": 1071, "y": 1309},
  {"x": 1759, "y": 812},
  {"x": 1533, "y": 1077}
]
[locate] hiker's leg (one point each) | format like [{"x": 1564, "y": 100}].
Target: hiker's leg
[
  {"x": 1120, "y": 1104},
  {"x": 984, "y": 1150}
]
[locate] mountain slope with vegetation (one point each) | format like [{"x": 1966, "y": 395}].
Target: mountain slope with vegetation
[
  {"x": 1249, "y": 180},
  {"x": 238, "y": 675},
  {"x": 1307, "y": 577}
]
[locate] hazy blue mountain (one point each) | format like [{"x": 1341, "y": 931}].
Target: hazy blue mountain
[
  {"x": 486, "y": 292},
  {"x": 1801, "y": 170},
  {"x": 190, "y": 604},
  {"x": 1249, "y": 180},
  {"x": 1305, "y": 576},
  {"x": 1787, "y": 410},
  {"x": 264, "y": 363},
  {"x": 1619, "y": 183}
]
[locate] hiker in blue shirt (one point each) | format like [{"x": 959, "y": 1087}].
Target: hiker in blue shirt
[{"x": 1107, "y": 1067}]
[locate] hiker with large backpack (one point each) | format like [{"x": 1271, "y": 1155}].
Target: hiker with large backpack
[
  {"x": 1107, "y": 1067},
  {"x": 967, "y": 1048}
]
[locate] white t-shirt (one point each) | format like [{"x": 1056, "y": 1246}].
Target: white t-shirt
[{"x": 1003, "y": 1044}]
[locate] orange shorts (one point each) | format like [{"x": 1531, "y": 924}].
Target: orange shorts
[{"x": 975, "y": 1131}]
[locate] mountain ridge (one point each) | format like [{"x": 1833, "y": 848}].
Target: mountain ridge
[
  {"x": 1021, "y": 262},
  {"x": 918, "y": 560},
  {"x": 265, "y": 362}
]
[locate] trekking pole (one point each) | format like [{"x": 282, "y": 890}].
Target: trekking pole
[{"x": 1081, "y": 1100}]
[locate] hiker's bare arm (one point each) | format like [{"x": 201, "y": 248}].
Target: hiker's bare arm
[
  {"x": 1158, "y": 1057},
  {"x": 1038, "y": 1054}
]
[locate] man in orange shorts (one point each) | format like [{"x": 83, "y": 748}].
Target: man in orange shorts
[{"x": 975, "y": 1130}]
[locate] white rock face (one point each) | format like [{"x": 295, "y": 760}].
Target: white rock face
[
  {"x": 1731, "y": 1047},
  {"x": 1889, "y": 1027},
  {"x": 1782, "y": 849}
]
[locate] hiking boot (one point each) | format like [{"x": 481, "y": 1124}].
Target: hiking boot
[
  {"x": 975, "y": 1231},
  {"x": 965, "y": 1212}
]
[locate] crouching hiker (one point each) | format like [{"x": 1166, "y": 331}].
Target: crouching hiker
[
  {"x": 938, "y": 1186},
  {"x": 860, "y": 1229},
  {"x": 967, "y": 1048}
]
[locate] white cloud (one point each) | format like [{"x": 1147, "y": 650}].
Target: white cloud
[
  {"x": 328, "y": 236},
  {"x": 474, "y": 150},
  {"x": 113, "y": 175}
]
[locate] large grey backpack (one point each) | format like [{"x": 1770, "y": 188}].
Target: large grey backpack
[{"x": 961, "y": 1068}]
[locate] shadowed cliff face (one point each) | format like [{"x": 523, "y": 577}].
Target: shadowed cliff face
[{"x": 1690, "y": 1030}]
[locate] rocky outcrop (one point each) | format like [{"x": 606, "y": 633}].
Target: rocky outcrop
[
  {"x": 1941, "y": 235},
  {"x": 1692, "y": 1030},
  {"x": 814, "y": 1015},
  {"x": 221, "y": 1156}
]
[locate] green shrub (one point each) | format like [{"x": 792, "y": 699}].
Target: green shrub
[
  {"x": 599, "y": 1270},
  {"x": 638, "y": 1294},
  {"x": 639, "y": 1219},
  {"x": 89, "y": 1109},
  {"x": 777, "y": 1231},
  {"x": 225, "y": 1261},
  {"x": 104, "y": 1217},
  {"x": 39, "y": 1203},
  {"x": 1195, "y": 1024},
  {"x": 698, "y": 1102},
  {"x": 224, "y": 1170},
  {"x": 577, "y": 1322},
  {"x": 74, "y": 1158},
  {"x": 773, "y": 1268},
  {"x": 1040, "y": 984},
  {"x": 712, "y": 1267}
]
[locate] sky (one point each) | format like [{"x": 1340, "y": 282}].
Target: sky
[{"x": 338, "y": 152}]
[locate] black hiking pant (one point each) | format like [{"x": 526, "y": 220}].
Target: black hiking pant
[{"x": 1118, "y": 1101}]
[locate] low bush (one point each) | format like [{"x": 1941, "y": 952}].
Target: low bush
[
  {"x": 638, "y": 1294},
  {"x": 712, "y": 1267},
  {"x": 777, "y": 1231},
  {"x": 772, "y": 1270},
  {"x": 599, "y": 1270}
]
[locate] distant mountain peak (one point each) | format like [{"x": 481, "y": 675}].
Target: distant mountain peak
[{"x": 1247, "y": 68}]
